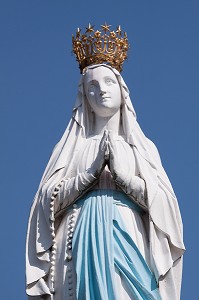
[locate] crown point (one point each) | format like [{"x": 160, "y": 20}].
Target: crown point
[
  {"x": 78, "y": 32},
  {"x": 119, "y": 30},
  {"x": 105, "y": 27},
  {"x": 90, "y": 28}
]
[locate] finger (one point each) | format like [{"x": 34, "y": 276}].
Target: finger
[
  {"x": 110, "y": 147},
  {"x": 110, "y": 137},
  {"x": 105, "y": 135},
  {"x": 103, "y": 141},
  {"x": 107, "y": 145},
  {"x": 112, "y": 143},
  {"x": 106, "y": 153}
]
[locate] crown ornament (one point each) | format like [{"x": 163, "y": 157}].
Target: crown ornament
[{"x": 96, "y": 47}]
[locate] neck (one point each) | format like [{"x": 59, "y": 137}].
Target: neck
[{"x": 107, "y": 123}]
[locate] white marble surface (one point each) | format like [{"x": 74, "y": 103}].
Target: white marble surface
[{"x": 103, "y": 109}]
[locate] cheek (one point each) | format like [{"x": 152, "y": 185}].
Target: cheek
[{"x": 118, "y": 98}]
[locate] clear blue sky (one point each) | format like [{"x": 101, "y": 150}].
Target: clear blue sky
[{"x": 38, "y": 84}]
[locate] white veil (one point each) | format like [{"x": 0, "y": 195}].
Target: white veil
[{"x": 164, "y": 216}]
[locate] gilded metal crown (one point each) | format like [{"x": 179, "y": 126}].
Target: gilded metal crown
[{"x": 105, "y": 46}]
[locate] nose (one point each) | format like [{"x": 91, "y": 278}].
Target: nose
[
  {"x": 102, "y": 93},
  {"x": 102, "y": 88}
]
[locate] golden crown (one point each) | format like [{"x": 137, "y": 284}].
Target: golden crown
[{"x": 105, "y": 46}]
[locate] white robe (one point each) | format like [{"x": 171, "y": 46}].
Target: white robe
[
  {"x": 163, "y": 248},
  {"x": 138, "y": 226}
]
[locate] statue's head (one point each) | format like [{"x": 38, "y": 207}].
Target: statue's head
[
  {"x": 101, "y": 54},
  {"x": 102, "y": 90}
]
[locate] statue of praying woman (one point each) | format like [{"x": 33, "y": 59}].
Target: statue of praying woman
[{"x": 105, "y": 222}]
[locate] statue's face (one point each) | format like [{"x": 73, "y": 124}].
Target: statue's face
[{"x": 102, "y": 91}]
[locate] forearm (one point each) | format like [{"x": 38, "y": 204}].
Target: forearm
[
  {"x": 69, "y": 189},
  {"x": 135, "y": 188}
]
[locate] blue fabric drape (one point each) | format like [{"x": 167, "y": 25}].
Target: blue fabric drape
[{"x": 101, "y": 244}]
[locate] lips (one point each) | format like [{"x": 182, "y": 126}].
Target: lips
[{"x": 105, "y": 99}]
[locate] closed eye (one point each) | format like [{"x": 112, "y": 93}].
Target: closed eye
[{"x": 109, "y": 81}]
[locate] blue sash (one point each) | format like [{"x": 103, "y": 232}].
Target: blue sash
[{"x": 102, "y": 244}]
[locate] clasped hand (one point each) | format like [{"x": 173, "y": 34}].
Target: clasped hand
[{"x": 108, "y": 155}]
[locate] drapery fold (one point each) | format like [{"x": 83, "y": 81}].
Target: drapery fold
[
  {"x": 164, "y": 221},
  {"x": 101, "y": 244}
]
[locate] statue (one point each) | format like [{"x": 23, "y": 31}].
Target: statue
[{"x": 105, "y": 222}]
